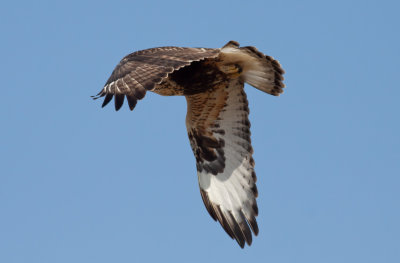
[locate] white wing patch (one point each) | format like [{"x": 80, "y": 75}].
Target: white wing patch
[{"x": 228, "y": 189}]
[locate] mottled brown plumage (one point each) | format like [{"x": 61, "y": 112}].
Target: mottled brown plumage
[{"x": 212, "y": 81}]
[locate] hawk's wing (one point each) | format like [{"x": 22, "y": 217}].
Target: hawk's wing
[
  {"x": 219, "y": 133},
  {"x": 142, "y": 70}
]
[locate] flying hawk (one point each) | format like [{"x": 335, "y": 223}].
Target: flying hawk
[{"x": 212, "y": 80}]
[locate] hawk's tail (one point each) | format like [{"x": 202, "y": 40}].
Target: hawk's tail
[{"x": 261, "y": 71}]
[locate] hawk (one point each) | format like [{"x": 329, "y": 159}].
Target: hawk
[{"x": 212, "y": 81}]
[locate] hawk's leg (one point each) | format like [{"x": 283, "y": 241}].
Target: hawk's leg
[{"x": 232, "y": 70}]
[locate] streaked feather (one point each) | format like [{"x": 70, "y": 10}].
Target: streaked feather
[{"x": 217, "y": 118}]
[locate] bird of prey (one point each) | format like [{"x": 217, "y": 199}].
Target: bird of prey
[{"x": 212, "y": 80}]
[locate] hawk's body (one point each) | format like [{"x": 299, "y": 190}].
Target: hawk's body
[{"x": 212, "y": 80}]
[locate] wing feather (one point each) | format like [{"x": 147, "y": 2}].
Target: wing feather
[
  {"x": 219, "y": 134},
  {"x": 142, "y": 70}
]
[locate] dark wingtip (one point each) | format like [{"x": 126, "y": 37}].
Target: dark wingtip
[
  {"x": 239, "y": 235},
  {"x": 107, "y": 99},
  {"x": 254, "y": 190},
  {"x": 100, "y": 94},
  {"x": 131, "y": 101},
  {"x": 119, "y": 101},
  {"x": 241, "y": 244},
  {"x": 207, "y": 204},
  {"x": 95, "y": 97},
  {"x": 255, "y": 208},
  {"x": 254, "y": 226}
]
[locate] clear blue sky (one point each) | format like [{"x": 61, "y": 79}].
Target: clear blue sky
[{"x": 83, "y": 184}]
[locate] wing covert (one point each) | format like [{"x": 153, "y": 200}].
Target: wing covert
[{"x": 140, "y": 71}]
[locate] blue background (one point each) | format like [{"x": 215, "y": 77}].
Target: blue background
[{"x": 83, "y": 184}]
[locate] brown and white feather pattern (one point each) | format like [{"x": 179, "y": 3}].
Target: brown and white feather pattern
[
  {"x": 217, "y": 117},
  {"x": 140, "y": 71},
  {"x": 219, "y": 133}
]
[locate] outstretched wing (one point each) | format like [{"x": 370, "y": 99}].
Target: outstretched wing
[
  {"x": 219, "y": 134},
  {"x": 142, "y": 70}
]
